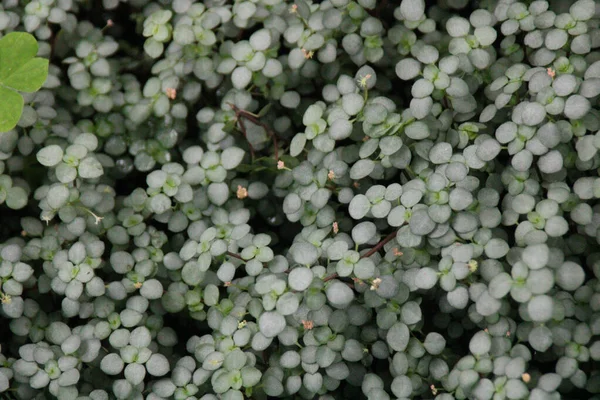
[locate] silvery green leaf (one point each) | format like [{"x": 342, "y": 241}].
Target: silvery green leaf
[
  {"x": 402, "y": 386},
  {"x": 300, "y": 278},
  {"x": 339, "y": 295},
  {"x": 363, "y": 232},
  {"x": 50, "y": 156},
  {"x": 135, "y": 373},
  {"x": 304, "y": 253},
  {"x": 533, "y": 114},
  {"x": 457, "y": 26},
  {"x": 90, "y": 168},
  {"x": 157, "y": 365},
  {"x": 337, "y": 250},
  {"x": 420, "y": 108},
  {"x": 551, "y": 162},
  {"x": 522, "y": 161},
  {"x": 398, "y": 336},
  {"x": 361, "y": 169},
  {"x": 590, "y": 88},
  {"x": 340, "y": 129},
  {"x": 218, "y": 193},
  {"x": 352, "y": 103},
  {"x": 576, "y": 107},
  {"x": 540, "y": 308},
  {"x": 153, "y": 48},
  {"x": 408, "y": 68},
  {"x": 570, "y": 276},
  {"x": 112, "y": 364},
  {"x": 288, "y": 303},
  {"x": 564, "y": 85},
  {"x": 426, "y": 278},
  {"x": 411, "y": 313},
  {"x": 480, "y": 343},
  {"x": 58, "y": 196},
  {"x": 271, "y": 323},
  {"x": 496, "y": 248},
  {"x": 412, "y": 10},
  {"x": 232, "y": 157},
  {"x": 582, "y": 10},
  {"x": 364, "y": 269},
  {"x": 486, "y": 35},
  {"x": 297, "y": 144},
  {"x": 359, "y": 206},
  {"x": 390, "y": 144},
  {"x": 420, "y": 223},
  {"x": 417, "y": 130},
  {"x": 407, "y": 239},
  {"x": 555, "y": 39}
]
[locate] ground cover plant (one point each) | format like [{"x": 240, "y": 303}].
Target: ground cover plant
[{"x": 267, "y": 199}]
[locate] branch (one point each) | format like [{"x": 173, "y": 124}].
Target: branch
[
  {"x": 230, "y": 254},
  {"x": 369, "y": 253},
  {"x": 252, "y": 118},
  {"x": 380, "y": 245},
  {"x": 243, "y": 129}
]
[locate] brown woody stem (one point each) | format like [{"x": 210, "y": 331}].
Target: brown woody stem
[
  {"x": 380, "y": 245},
  {"x": 239, "y": 114},
  {"x": 230, "y": 254},
  {"x": 369, "y": 253}
]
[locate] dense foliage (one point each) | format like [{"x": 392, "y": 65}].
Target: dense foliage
[{"x": 257, "y": 199}]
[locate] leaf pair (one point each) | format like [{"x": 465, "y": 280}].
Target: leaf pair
[{"x": 20, "y": 71}]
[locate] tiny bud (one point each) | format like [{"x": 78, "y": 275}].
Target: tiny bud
[
  {"x": 433, "y": 389},
  {"x": 227, "y": 284},
  {"x": 5, "y": 298},
  {"x": 137, "y": 285},
  {"x": 109, "y": 23},
  {"x": 242, "y": 324},
  {"x": 526, "y": 377},
  {"x": 293, "y": 9},
  {"x": 397, "y": 252},
  {"x": 308, "y": 54},
  {"x": 551, "y": 72},
  {"x": 308, "y": 325},
  {"x": 242, "y": 192},
  {"x": 336, "y": 228},
  {"x": 363, "y": 81},
  {"x": 473, "y": 265},
  {"x": 280, "y": 164},
  {"x": 356, "y": 185},
  {"x": 171, "y": 93},
  {"x": 375, "y": 283},
  {"x": 331, "y": 175}
]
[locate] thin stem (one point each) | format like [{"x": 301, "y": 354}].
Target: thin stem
[
  {"x": 230, "y": 254},
  {"x": 252, "y": 118},
  {"x": 380, "y": 245},
  {"x": 369, "y": 253},
  {"x": 243, "y": 129}
]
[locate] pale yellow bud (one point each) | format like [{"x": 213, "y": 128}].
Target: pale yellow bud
[{"x": 242, "y": 192}]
